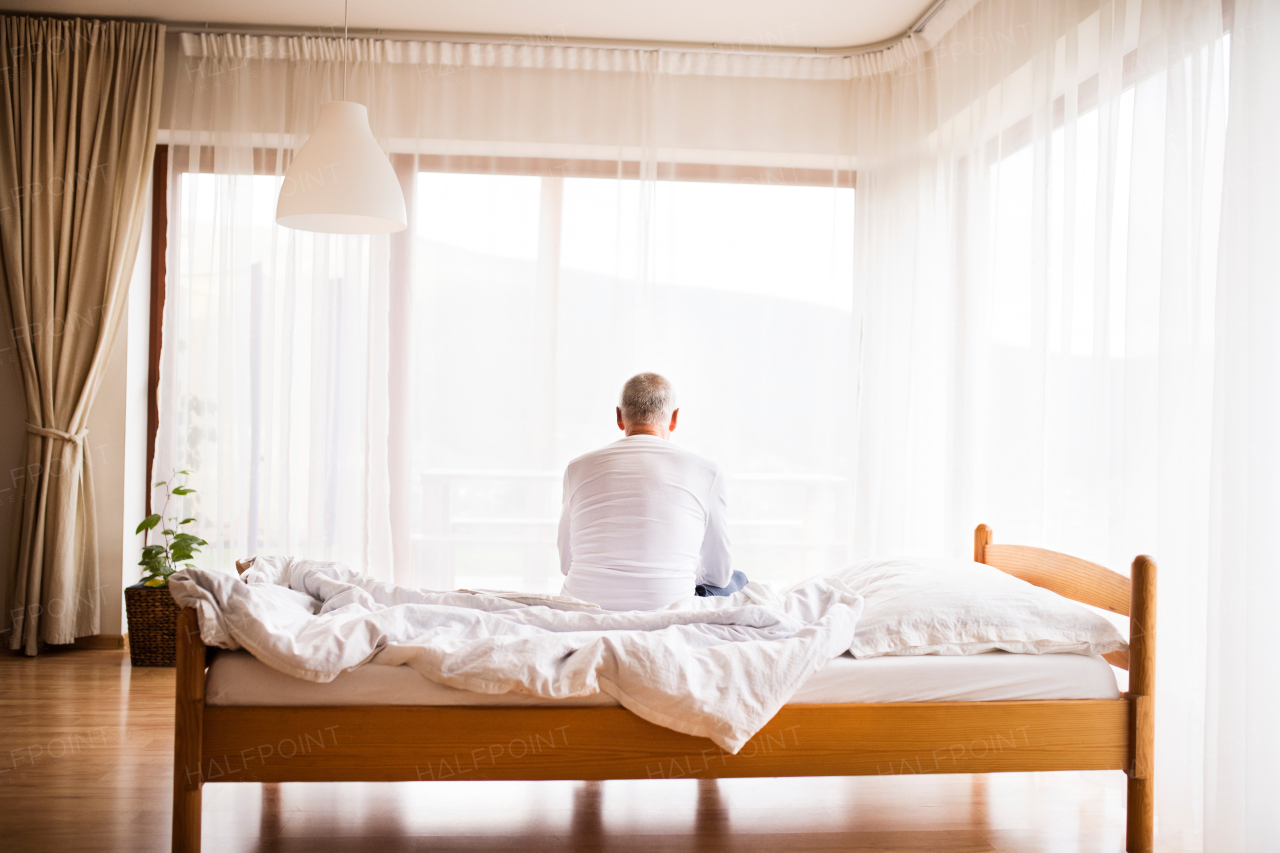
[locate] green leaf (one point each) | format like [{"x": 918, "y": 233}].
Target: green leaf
[
  {"x": 152, "y": 550},
  {"x": 169, "y": 532},
  {"x": 156, "y": 582},
  {"x": 148, "y": 523},
  {"x": 160, "y": 483},
  {"x": 186, "y": 521},
  {"x": 188, "y": 473},
  {"x": 182, "y": 490}
]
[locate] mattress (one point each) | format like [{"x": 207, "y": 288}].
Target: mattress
[{"x": 238, "y": 678}]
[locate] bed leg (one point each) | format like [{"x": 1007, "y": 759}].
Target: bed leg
[
  {"x": 188, "y": 734},
  {"x": 1142, "y": 680},
  {"x": 1141, "y": 829}
]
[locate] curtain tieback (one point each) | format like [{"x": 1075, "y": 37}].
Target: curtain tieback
[{"x": 77, "y": 438}]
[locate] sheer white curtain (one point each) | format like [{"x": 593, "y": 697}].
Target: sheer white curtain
[
  {"x": 1038, "y": 330},
  {"x": 1242, "y": 746},
  {"x": 1038, "y": 203},
  {"x": 407, "y": 404}
]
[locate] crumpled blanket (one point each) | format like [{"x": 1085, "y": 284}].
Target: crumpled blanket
[{"x": 718, "y": 668}]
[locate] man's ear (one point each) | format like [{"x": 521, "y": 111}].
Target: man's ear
[
  {"x": 674, "y": 415},
  {"x": 621, "y": 425}
]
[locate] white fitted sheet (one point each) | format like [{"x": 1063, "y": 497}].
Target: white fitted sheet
[{"x": 238, "y": 678}]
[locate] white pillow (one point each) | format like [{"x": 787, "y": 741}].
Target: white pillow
[{"x": 955, "y": 607}]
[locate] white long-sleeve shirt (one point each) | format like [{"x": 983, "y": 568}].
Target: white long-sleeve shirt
[{"x": 643, "y": 522}]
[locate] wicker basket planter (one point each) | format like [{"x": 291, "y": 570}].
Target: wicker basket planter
[{"x": 153, "y": 620}]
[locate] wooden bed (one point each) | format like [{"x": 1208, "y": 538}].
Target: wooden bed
[{"x": 413, "y": 743}]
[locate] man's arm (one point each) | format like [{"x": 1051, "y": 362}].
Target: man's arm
[
  {"x": 716, "y": 565},
  {"x": 562, "y": 535}
]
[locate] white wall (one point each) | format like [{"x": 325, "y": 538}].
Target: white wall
[
  {"x": 117, "y": 441},
  {"x": 137, "y": 340}
]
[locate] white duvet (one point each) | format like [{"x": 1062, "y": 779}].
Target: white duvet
[{"x": 711, "y": 667}]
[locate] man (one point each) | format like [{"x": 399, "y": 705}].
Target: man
[{"x": 643, "y": 520}]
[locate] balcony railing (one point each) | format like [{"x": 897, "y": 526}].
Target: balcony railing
[{"x": 497, "y": 528}]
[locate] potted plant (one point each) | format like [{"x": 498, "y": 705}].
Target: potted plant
[{"x": 152, "y": 612}]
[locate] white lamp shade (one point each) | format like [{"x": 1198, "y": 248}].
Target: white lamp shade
[{"x": 340, "y": 182}]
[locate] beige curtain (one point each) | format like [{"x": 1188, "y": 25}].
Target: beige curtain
[{"x": 78, "y": 120}]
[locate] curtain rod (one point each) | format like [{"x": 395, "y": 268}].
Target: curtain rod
[
  {"x": 923, "y": 20},
  {"x": 564, "y": 41}
]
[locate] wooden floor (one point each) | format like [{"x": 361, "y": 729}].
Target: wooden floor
[{"x": 86, "y": 762}]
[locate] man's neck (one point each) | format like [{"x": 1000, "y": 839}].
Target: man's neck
[{"x": 647, "y": 429}]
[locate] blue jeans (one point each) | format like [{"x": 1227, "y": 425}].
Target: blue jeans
[{"x": 736, "y": 582}]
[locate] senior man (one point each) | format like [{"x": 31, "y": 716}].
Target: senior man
[{"x": 643, "y": 522}]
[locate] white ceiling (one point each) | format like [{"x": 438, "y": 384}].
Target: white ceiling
[{"x": 783, "y": 23}]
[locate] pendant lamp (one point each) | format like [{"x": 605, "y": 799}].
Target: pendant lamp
[{"x": 340, "y": 181}]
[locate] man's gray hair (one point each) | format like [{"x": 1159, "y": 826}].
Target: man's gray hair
[{"x": 647, "y": 398}]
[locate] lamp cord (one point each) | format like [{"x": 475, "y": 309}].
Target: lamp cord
[{"x": 344, "y": 49}]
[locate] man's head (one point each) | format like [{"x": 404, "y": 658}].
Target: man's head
[{"x": 647, "y": 406}]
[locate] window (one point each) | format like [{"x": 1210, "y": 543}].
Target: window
[{"x": 532, "y": 298}]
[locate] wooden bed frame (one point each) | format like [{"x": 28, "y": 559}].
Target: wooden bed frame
[{"x": 412, "y": 743}]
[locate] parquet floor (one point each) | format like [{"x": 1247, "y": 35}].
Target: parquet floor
[{"x": 86, "y": 756}]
